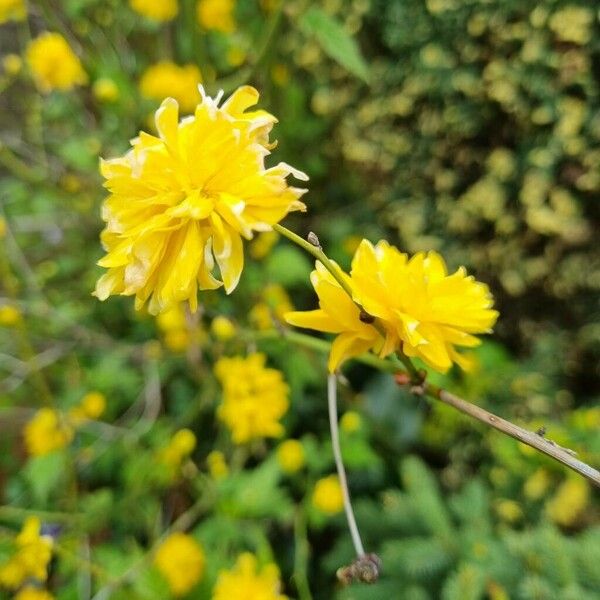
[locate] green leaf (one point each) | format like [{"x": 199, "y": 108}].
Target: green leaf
[
  {"x": 46, "y": 474},
  {"x": 288, "y": 266},
  {"x": 335, "y": 41}
]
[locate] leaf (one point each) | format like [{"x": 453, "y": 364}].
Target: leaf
[
  {"x": 45, "y": 474},
  {"x": 335, "y": 41},
  {"x": 288, "y": 266}
]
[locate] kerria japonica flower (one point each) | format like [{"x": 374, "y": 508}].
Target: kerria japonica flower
[
  {"x": 183, "y": 200},
  {"x": 420, "y": 309}
]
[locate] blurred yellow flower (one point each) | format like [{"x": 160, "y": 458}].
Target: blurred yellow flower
[
  {"x": 180, "y": 559},
  {"x": 217, "y": 465},
  {"x": 12, "y": 64},
  {"x": 236, "y": 56},
  {"x": 222, "y": 328},
  {"x": 573, "y": 24},
  {"x": 247, "y": 582},
  {"x": 92, "y": 406},
  {"x": 173, "y": 324},
  {"x": 182, "y": 200},
  {"x": 12, "y": 10},
  {"x": 166, "y": 79},
  {"x": 263, "y": 244},
  {"x": 105, "y": 90},
  {"x": 566, "y": 507},
  {"x": 53, "y": 64},
  {"x": 280, "y": 74},
  {"x": 158, "y": 10},
  {"x": 3, "y": 228},
  {"x": 46, "y": 432},
  {"x": 275, "y": 305},
  {"x": 180, "y": 446},
  {"x": 10, "y": 315},
  {"x": 350, "y": 422},
  {"x": 254, "y": 397},
  {"x": 30, "y": 558},
  {"x": 336, "y": 314},
  {"x": 290, "y": 456},
  {"x": 327, "y": 495},
  {"x": 509, "y": 510},
  {"x": 537, "y": 484},
  {"x": 216, "y": 14},
  {"x": 32, "y": 593}
]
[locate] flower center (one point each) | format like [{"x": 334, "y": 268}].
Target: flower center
[{"x": 196, "y": 205}]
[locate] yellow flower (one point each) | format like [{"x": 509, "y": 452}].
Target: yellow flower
[
  {"x": 247, "y": 582},
  {"x": 569, "y": 502},
  {"x": 32, "y": 555},
  {"x": 222, "y": 328},
  {"x": 217, "y": 465},
  {"x": 537, "y": 484},
  {"x": 254, "y": 397},
  {"x": 12, "y": 64},
  {"x": 423, "y": 310},
  {"x": 105, "y": 90},
  {"x": 158, "y": 10},
  {"x": 509, "y": 510},
  {"x": 216, "y": 14},
  {"x": 166, "y": 79},
  {"x": 350, "y": 421},
  {"x": 336, "y": 314},
  {"x": 32, "y": 593},
  {"x": 92, "y": 406},
  {"x": 53, "y": 64},
  {"x": 327, "y": 495},
  {"x": 182, "y": 200},
  {"x": 275, "y": 305},
  {"x": 180, "y": 559},
  {"x": 263, "y": 244},
  {"x": 46, "y": 432},
  {"x": 12, "y": 10},
  {"x": 10, "y": 315},
  {"x": 290, "y": 456},
  {"x": 180, "y": 447},
  {"x": 573, "y": 24}
]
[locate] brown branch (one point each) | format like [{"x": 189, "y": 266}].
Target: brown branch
[{"x": 535, "y": 440}]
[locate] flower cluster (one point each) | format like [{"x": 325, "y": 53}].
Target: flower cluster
[
  {"x": 166, "y": 78},
  {"x": 421, "y": 310},
  {"x": 30, "y": 559},
  {"x": 49, "y": 430},
  {"x": 53, "y": 63},
  {"x": 183, "y": 200},
  {"x": 12, "y": 10},
  {"x": 180, "y": 559},
  {"x": 216, "y": 15},
  {"x": 254, "y": 397},
  {"x": 246, "y": 581},
  {"x": 164, "y": 10}
]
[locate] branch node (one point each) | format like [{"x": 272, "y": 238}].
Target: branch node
[
  {"x": 314, "y": 240},
  {"x": 365, "y": 569}
]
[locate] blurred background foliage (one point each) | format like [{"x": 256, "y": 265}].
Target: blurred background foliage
[{"x": 469, "y": 127}]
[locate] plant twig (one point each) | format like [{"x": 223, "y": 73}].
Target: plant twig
[
  {"x": 534, "y": 440},
  {"x": 339, "y": 463}
]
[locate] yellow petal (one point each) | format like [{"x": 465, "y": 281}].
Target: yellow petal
[{"x": 313, "y": 319}]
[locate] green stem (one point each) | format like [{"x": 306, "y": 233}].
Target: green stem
[
  {"x": 318, "y": 253},
  {"x": 17, "y": 513},
  {"x": 301, "y": 553},
  {"x": 319, "y": 345}
]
